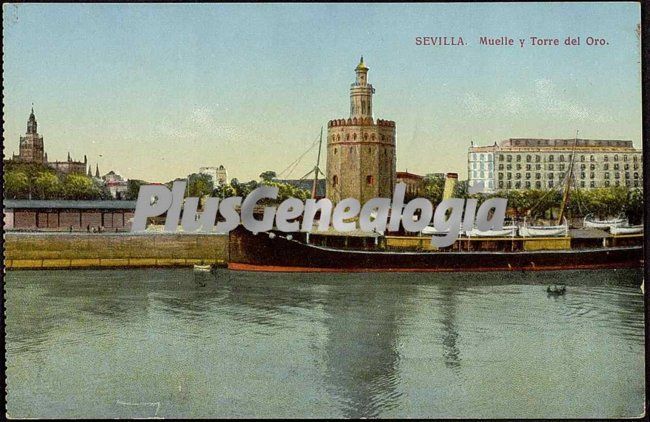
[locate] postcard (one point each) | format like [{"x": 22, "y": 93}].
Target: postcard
[{"x": 332, "y": 210}]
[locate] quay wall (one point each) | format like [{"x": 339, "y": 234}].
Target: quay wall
[{"x": 94, "y": 250}]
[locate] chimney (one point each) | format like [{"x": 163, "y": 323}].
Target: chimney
[{"x": 450, "y": 183}]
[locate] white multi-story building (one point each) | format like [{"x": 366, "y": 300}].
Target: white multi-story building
[
  {"x": 521, "y": 163},
  {"x": 219, "y": 174}
]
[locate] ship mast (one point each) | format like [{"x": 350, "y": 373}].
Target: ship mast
[
  {"x": 567, "y": 186},
  {"x": 317, "y": 169}
]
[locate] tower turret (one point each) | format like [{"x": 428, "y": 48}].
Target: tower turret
[
  {"x": 361, "y": 93},
  {"x": 32, "y": 125}
]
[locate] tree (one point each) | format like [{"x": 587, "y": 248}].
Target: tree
[
  {"x": 16, "y": 184},
  {"x": 104, "y": 192},
  {"x": 268, "y": 175},
  {"x": 285, "y": 191},
  {"x": 199, "y": 184},
  {"x": 47, "y": 185},
  {"x": 461, "y": 190},
  {"x": 434, "y": 187},
  {"x": 517, "y": 202},
  {"x": 223, "y": 191},
  {"x": 606, "y": 202},
  {"x": 634, "y": 209},
  {"x": 540, "y": 202},
  {"x": 80, "y": 186},
  {"x": 243, "y": 189},
  {"x": 133, "y": 189}
]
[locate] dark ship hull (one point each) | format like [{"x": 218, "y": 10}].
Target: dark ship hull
[{"x": 277, "y": 253}]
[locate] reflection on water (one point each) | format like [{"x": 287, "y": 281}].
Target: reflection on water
[
  {"x": 449, "y": 332},
  {"x": 172, "y": 343}
]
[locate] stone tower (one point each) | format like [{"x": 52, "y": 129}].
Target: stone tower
[
  {"x": 31, "y": 148},
  {"x": 360, "y": 152}
]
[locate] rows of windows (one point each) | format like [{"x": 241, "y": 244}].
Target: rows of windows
[
  {"x": 549, "y": 166},
  {"x": 481, "y": 166},
  {"x": 481, "y": 157},
  {"x": 538, "y": 184},
  {"x": 583, "y": 175},
  {"x": 481, "y": 174},
  {"x": 529, "y": 158}
]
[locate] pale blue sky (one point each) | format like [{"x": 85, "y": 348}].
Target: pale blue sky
[{"x": 161, "y": 90}]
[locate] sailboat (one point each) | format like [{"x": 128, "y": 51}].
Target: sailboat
[{"x": 561, "y": 228}]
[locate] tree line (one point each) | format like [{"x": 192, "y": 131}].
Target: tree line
[
  {"x": 37, "y": 181},
  {"x": 545, "y": 204}
]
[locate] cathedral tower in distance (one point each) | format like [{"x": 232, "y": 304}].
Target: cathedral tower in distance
[
  {"x": 31, "y": 149},
  {"x": 360, "y": 151}
]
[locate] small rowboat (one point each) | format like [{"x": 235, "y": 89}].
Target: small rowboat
[
  {"x": 618, "y": 230},
  {"x": 543, "y": 231},
  {"x": 202, "y": 268},
  {"x": 593, "y": 223},
  {"x": 433, "y": 230},
  {"x": 507, "y": 231},
  {"x": 556, "y": 289}
]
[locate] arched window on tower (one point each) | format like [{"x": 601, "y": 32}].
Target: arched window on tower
[
  {"x": 354, "y": 136},
  {"x": 370, "y": 180},
  {"x": 335, "y": 180}
]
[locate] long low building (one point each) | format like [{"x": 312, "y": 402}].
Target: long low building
[
  {"x": 58, "y": 215},
  {"x": 522, "y": 163}
]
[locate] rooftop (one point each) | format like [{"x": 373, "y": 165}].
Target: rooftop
[
  {"x": 551, "y": 144},
  {"x": 69, "y": 204},
  {"x": 543, "y": 142},
  {"x": 407, "y": 175}
]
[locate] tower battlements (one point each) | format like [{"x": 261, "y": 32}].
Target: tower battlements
[{"x": 361, "y": 121}]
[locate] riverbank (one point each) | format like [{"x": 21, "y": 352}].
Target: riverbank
[{"x": 52, "y": 250}]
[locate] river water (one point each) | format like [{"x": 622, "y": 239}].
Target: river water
[{"x": 169, "y": 343}]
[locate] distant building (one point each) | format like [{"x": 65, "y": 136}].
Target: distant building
[
  {"x": 414, "y": 183},
  {"x": 219, "y": 174},
  {"x": 522, "y": 163},
  {"x": 361, "y": 159},
  {"x": 115, "y": 184},
  {"x": 69, "y": 166},
  {"x": 32, "y": 150},
  {"x": 63, "y": 215}
]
